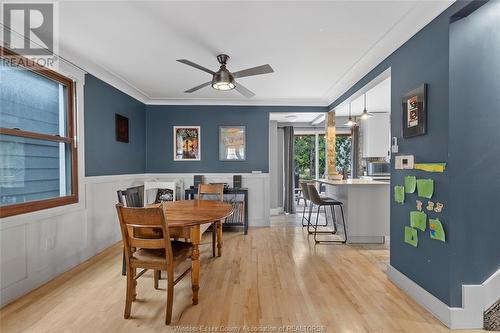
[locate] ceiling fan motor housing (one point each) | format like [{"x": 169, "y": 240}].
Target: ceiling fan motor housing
[
  {"x": 222, "y": 59},
  {"x": 223, "y": 79}
]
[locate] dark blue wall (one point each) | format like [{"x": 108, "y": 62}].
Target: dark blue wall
[
  {"x": 103, "y": 154},
  {"x": 161, "y": 119},
  {"x": 474, "y": 146},
  {"x": 425, "y": 58}
]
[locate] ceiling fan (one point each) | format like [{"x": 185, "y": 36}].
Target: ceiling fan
[{"x": 224, "y": 79}]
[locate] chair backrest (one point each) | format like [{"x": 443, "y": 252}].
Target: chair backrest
[
  {"x": 144, "y": 228},
  {"x": 305, "y": 190},
  {"x": 211, "y": 190},
  {"x": 134, "y": 196},
  {"x": 151, "y": 190},
  {"x": 314, "y": 196}
]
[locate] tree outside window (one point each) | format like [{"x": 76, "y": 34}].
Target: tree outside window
[{"x": 304, "y": 155}]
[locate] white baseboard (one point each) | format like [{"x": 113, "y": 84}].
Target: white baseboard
[
  {"x": 475, "y": 300},
  {"x": 276, "y": 211}
]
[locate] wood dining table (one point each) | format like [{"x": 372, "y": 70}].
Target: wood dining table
[{"x": 184, "y": 219}]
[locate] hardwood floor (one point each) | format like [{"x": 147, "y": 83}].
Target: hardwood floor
[{"x": 271, "y": 277}]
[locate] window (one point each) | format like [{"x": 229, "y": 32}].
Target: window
[
  {"x": 37, "y": 149},
  {"x": 310, "y": 161}
]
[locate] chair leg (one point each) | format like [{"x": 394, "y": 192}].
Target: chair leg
[
  {"x": 214, "y": 237},
  {"x": 156, "y": 275},
  {"x": 316, "y": 227},
  {"x": 304, "y": 213},
  {"x": 343, "y": 241},
  {"x": 219, "y": 239},
  {"x": 334, "y": 218},
  {"x": 134, "y": 284},
  {"x": 308, "y": 220},
  {"x": 309, "y": 224},
  {"x": 343, "y": 223},
  {"x": 124, "y": 264},
  {"x": 315, "y": 232},
  {"x": 170, "y": 295},
  {"x": 130, "y": 293}
]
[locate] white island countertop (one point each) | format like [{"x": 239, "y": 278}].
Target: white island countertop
[
  {"x": 366, "y": 205},
  {"x": 352, "y": 182}
]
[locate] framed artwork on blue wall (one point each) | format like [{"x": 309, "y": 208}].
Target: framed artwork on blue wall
[
  {"x": 121, "y": 128},
  {"x": 232, "y": 143},
  {"x": 415, "y": 112},
  {"x": 187, "y": 143}
]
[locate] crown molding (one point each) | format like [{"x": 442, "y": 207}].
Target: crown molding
[
  {"x": 249, "y": 102},
  {"x": 106, "y": 75},
  {"x": 403, "y": 30}
]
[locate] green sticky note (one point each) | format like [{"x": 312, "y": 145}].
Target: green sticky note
[
  {"x": 418, "y": 220},
  {"x": 399, "y": 194},
  {"x": 411, "y": 236},
  {"x": 425, "y": 188},
  {"x": 410, "y": 184},
  {"x": 436, "y": 230}
]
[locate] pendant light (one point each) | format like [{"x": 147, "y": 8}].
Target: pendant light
[
  {"x": 350, "y": 122},
  {"x": 365, "y": 115}
]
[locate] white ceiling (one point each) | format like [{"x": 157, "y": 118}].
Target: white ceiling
[
  {"x": 317, "y": 49},
  {"x": 378, "y": 99},
  {"x": 283, "y": 117}
]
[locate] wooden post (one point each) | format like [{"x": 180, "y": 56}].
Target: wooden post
[{"x": 331, "y": 167}]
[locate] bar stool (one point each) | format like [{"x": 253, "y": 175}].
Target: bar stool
[
  {"x": 319, "y": 201},
  {"x": 305, "y": 194},
  {"x": 307, "y": 205}
]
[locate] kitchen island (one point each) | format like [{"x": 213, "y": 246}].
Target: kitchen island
[{"x": 366, "y": 208}]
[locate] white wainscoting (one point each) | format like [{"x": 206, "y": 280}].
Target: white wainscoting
[
  {"x": 38, "y": 246},
  {"x": 257, "y": 184}
]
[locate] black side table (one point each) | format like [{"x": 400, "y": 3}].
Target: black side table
[{"x": 240, "y": 215}]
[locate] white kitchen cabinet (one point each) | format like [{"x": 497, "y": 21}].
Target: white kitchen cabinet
[{"x": 376, "y": 133}]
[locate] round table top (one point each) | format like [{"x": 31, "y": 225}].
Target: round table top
[{"x": 185, "y": 213}]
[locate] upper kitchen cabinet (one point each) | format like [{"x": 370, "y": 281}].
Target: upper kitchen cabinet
[{"x": 376, "y": 135}]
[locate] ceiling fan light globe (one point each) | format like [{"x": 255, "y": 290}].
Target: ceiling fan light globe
[{"x": 223, "y": 86}]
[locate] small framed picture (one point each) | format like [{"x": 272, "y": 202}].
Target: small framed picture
[
  {"x": 232, "y": 143},
  {"x": 187, "y": 143},
  {"x": 415, "y": 112},
  {"x": 121, "y": 125}
]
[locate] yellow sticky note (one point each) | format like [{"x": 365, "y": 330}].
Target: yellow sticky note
[{"x": 430, "y": 167}]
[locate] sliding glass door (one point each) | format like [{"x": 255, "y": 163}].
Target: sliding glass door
[{"x": 310, "y": 155}]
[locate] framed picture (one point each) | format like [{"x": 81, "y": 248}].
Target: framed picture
[
  {"x": 187, "y": 143},
  {"x": 232, "y": 143},
  {"x": 121, "y": 126},
  {"x": 415, "y": 112}
]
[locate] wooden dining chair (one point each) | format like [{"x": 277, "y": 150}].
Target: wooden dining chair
[
  {"x": 131, "y": 197},
  {"x": 134, "y": 196},
  {"x": 148, "y": 246},
  {"x": 211, "y": 191}
]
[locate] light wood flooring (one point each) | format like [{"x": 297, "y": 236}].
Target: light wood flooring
[{"x": 271, "y": 277}]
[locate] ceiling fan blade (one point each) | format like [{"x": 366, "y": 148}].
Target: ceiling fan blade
[
  {"x": 192, "y": 64},
  {"x": 242, "y": 90},
  {"x": 264, "y": 69},
  {"x": 203, "y": 85}
]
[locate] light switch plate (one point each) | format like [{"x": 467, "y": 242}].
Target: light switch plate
[
  {"x": 404, "y": 162},
  {"x": 394, "y": 145}
]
